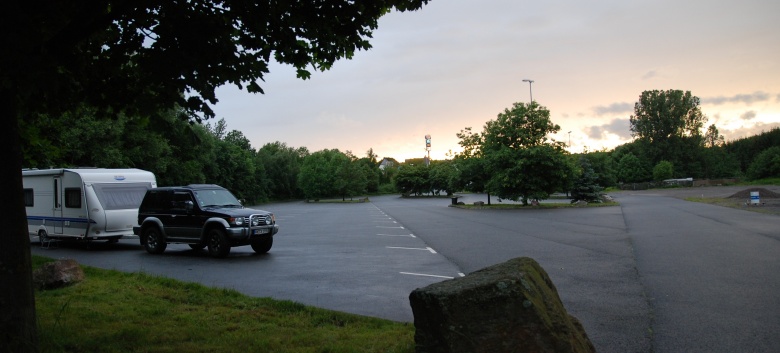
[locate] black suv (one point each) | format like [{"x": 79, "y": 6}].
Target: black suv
[{"x": 202, "y": 216}]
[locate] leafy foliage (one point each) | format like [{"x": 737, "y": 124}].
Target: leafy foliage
[
  {"x": 766, "y": 164},
  {"x": 413, "y": 179},
  {"x": 663, "y": 170},
  {"x": 522, "y": 162},
  {"x": 586, "y": 187},
  {"x": 331, "y": 173},
  {"x": 669, "y": 124},
  {"x": 630, "y": 169}
]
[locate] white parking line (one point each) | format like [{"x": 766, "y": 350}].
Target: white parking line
[
  {"x": 400, "y": 227},
  {"x": 425, "y": 275},
  {"x": 426, "y": 249},
  {"x": 398, "y": 235}
]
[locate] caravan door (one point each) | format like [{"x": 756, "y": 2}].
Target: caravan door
[{"x": 58, "y": 194}]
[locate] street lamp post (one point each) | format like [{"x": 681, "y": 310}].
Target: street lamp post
[
  {"x": 569, "y": 139},
  {"x": 530, "y": 90}
]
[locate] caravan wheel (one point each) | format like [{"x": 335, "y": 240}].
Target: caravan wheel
[{"x": 43, "y": 236}]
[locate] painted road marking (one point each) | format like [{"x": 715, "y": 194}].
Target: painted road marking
[
  {"x": 426, "y": 249},
  {"x": 398, "y": 235},
  {"x": 425, "y": 275},
  {"x": 400, "y": 227}
]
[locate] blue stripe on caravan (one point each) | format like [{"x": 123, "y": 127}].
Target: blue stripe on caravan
[{"x": 60, "y": 219}]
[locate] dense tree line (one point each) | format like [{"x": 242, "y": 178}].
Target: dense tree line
[
  {"x": 669, "y": 143},
  {"x": 179, "y": 152},
  {"x": 512, "y": 158},
  {"x": 508, "y": 159}
]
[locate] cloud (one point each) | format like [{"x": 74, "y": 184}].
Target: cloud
[
  {"x": 650, "y": 74},
  {"x": 614, "y": 109},
  {"x": 619, "y": 127},
  {"x": 739, "y": 98},
  {"x": 748, "y": 115},
  {"x": 747, "y": 131}
]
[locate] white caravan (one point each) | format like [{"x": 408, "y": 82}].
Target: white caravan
[{"x": 84, "y": 203}]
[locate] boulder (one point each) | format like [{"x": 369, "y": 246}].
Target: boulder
[
  {"x": 509, "y": 307},
  {"x": 58, "y": 274},
  {"x": 479, "y": 203}
]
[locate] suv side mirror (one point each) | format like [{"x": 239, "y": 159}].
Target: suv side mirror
[{"x": 188, "y": 205}]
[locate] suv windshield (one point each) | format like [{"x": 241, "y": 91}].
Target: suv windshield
[{"x": 216, "y": 198}]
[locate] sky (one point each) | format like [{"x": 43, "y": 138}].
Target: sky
[{"x": 459, "y": 63}]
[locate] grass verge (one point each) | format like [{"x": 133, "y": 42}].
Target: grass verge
[
  {"x": 735, "y": 203},
  {"x": 551, "y": 205},
  {"x": 114, "y": 311}
]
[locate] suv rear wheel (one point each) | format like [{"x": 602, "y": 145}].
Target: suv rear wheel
[
  {"x": 218, "y": 243},
  {"x": 262, "y": 246},
  {"x": 153, "y": 243}
]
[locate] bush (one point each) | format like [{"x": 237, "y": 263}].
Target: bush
[{"x": 766, "y": 164}]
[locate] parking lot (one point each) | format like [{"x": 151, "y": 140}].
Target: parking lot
[
  {"x": 347, "y": 257},
  {"x": 654, "y": 274}
]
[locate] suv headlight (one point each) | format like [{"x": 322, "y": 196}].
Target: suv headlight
[{"x": 238, "y": 221}]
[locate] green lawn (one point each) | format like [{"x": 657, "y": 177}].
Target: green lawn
[{"x": 113, "y": 311}]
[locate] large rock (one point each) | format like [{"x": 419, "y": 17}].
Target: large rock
[
  {"x": 58, "y": 274},
  {"x": 509, "y": 307}
]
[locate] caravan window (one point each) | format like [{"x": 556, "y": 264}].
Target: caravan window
[
  {"x": 72, "y": 197},
  {"x": 29, "y": 199},
  {"x": 121, "y": 196}
]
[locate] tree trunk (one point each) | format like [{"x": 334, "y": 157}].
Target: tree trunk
[{"x": 18, "y": 327}]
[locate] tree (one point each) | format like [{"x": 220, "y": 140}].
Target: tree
[
  {"x": 603, "y": 166},
  {"x": 661, "y": 115},
  {"x": 413, "y": 179},
  {"x": 471, "y": 173},
  {"x": 370, "y": 168},
  {"x": 630, "y": 169},
  {"x": 523, "y": 163},
  {"x": 350, "y": 177},
  {"x": 442, "y": 177},
  {"x": 669, "y": 124},
  {"x": 746, "y": 149},
  {"x": 663, "y": 170},
  {"x": 282, "y": 165},
  {"x": 713, "y": 138},
  {"x": 319, "y": 174},
  {"x": 141, "y": 58},
  {"x": 766, "y": 164},
  {"x": 586, "y": 187},
  {"x": 719, "y": 163}
]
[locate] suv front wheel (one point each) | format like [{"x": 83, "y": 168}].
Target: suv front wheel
[
  {"x": 218, "y": 243},
  {"x": 153, "y": 241},
  {"x": 261, "y": 246}
]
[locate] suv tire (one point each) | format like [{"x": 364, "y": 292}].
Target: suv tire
[
  {"x": 153, "y": 241},
  {"x": 217, "y": 243},
  {"x": 262, "y": 246}
]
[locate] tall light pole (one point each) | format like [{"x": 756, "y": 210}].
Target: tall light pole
[
  {"x": 530, "y": 89},
  {"x": 569, "y": 139}
]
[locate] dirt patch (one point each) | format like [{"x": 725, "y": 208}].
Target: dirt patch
[{"x": 762, "y": 193}]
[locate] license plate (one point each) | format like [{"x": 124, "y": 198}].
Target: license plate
[{"x": 261, "y": 231}]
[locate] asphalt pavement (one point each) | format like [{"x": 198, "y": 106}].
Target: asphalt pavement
[{"x": 655, "y": 274}]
